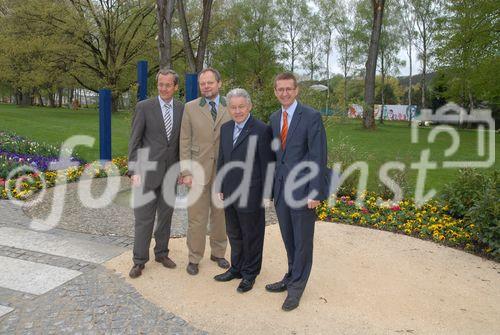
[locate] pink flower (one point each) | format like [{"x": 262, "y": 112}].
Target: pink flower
[
  {"x": 350, "y": 202},
  {"x": 364, "y": 210},
  {"x": 2, "y": 182},
  {"x": 395, "y": 208}
]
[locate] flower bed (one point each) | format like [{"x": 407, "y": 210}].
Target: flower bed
[{"x": 432, "y": 221}]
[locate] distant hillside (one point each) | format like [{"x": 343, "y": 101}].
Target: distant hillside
[{"x": 405, "y": 80}]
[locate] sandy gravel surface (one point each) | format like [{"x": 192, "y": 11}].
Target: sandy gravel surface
[{"x": 363, "y": 282}]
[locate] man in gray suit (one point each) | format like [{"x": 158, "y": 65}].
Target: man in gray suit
[
  {"x": 301, "y": 134},
  {"x": 155, "y": 127}
]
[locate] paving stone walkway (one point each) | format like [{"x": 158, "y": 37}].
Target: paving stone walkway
[{"x": 53, "y": 283}]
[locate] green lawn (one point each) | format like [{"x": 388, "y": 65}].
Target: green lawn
[{"x": 390, "y": 142}]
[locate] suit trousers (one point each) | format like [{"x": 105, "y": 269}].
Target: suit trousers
[
  {"x": 297, "y": 231},
  {"x": 144, "y": 225},
  {"x": 245, "y": 231},
  {"x": 199, "y": 214}
]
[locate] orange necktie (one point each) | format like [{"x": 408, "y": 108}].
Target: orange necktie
[{"x": 284, "y": 129}]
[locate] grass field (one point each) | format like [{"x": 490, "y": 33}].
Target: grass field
[{"x": 390, "y": 142}]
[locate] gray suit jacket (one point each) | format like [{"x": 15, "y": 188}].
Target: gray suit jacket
[
  {"x": 148, "y": 131},
  {"x": 306, "y": 142}
]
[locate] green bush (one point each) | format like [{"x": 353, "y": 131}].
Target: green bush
[
  {"x": 484, "y": 215},
  {"x": 460, "y": 195}
]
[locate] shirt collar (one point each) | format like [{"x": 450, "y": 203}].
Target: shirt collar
[
  {"x": 163, "y": 102},
  {"x": 216, "y": 100},
  {"x": 290, "y": 109}
]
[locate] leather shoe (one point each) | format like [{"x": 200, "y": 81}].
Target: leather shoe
[
  {"x": 136, "y": 270},
  {"x": 245, "y": 285},
  {"x": 227, "y": 276},
  {"x": 221, "y": 262},
  {"x": 192, "y": 269},
  {"x": 167, "y": 262},
  {"x": 290, "y": 303},
  {"x": 276, "y": 287}
]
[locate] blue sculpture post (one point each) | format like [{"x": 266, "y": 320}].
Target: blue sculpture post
[
  {"x": 191, "y": 86},
  {"x": 142, "y": 80},
  {"x": 105, "y": 124}
]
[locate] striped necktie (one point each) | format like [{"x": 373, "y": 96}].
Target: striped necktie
[
  {"x": 284, "y": 129},
  {"x": 237, "y": 134},
  {"x": 213, "y": 110},
  {"x": 167, "y": 119}
]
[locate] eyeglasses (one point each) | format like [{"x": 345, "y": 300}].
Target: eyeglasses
[{"x": 285, "y": 89}]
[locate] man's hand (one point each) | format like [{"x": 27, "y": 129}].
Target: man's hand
[
  {"x": 221, "y": 196},
  {"x": 135, "y": 180},
  {"x": 311, "y": 204},
  {"x": 180, "y": 180},
  {"x": 187, "y": 180}
]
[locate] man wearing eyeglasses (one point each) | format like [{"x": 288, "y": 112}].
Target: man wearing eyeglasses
[{"x": 301, "y": 156}]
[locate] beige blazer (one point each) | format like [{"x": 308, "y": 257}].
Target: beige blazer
[{"x": 199, "y": 138}]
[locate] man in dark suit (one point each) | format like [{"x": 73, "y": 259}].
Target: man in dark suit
[
  {"x": 244, "y": 155},
  {"x": 155, "y": 127},
  {"x": 302, "y": 155}
]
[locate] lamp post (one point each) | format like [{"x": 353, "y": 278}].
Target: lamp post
[{"x": 320, "y": 88}]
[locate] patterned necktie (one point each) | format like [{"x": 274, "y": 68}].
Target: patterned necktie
[
  {"x": 167, "y": 119},
  {"x": 284, "y": 129},
  {"x": 238, "y": 132},
  {"x": 213, "y": 110}
]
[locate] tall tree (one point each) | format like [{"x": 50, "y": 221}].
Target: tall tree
[
  {"x": 165, "y": 12},
  {"x": 292, "y": 20},
  {"x": 371, "y": 63},
  {"x": 310, "y": 44},
  {"x": 426, "y": 17},
  {"x": 408, "y": 25},
  {"x": 195, "y": 63}
]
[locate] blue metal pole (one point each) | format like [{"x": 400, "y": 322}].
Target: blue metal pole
[
  {"x": 191, "y": 86},
  {"x": 142, "y": 80},
  {"x": 105, "y": 124}
]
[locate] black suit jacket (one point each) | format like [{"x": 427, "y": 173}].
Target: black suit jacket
[{"x": 262, "y": 155}]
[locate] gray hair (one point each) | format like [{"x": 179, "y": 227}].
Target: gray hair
[
  {"x": 238, "y": 92},
  {"x": 167, "y": 72}
]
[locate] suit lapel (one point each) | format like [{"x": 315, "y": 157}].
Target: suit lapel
[
  {"x": 244, "y": 132},
  {"x": 221, "y": 111},
  {"x": 177, "y": 119},
  {"x": 205, "y": 109}
]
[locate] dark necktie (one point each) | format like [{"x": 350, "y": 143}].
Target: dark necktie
[{"x": 213, "y": 110}]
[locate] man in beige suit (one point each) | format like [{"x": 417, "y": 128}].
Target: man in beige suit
[{"x": 199, "y": 142}]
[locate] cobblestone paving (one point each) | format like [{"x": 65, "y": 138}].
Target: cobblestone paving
[{"x": 96, "y": 302}]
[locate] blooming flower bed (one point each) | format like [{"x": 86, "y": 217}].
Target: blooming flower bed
[{"x": 432, "y": 221}]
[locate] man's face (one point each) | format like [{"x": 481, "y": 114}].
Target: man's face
[
  {"x": 286, "y": 92},
  {"x": 166, "y": 86},
  {"x": 209, "y": 86},
  {"x": 239, "y": 108}
]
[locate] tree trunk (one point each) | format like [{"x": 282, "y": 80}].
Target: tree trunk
[
  {"x": 371, "y": 64},
  {"x": 115, "y": 98},
  {"x": 409, "y": 88},
  {"x": 424, "y": 64},
  {"x": 59, "y": 97},
  {"x": 71, "y": 97},
  {"x": 188, "y": 49},
  {"x": 382, "y": 89},
  {"x": 52, "y": 99},
  {"x": 165, "y": 11}
]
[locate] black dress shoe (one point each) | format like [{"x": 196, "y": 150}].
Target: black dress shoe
[
  {"x": 245, "y": 285},
  {"x": 192, "y": 269},
  {"x": 290, "y": 303},
  {"x": 167, "y": 262},
  {"x": 221, "y": 262},
  {"x": 276, "y": 287},
  {"x": 136, "y": 270},
  {"x": 227, "y": 276}
]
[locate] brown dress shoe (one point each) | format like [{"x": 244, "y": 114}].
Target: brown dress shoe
[
  {"x": 136, "y": 270},
  {"x": 221, "y": 262},
  {"x": 167, "y": 262},
  {"x": 192, "y": 269}
]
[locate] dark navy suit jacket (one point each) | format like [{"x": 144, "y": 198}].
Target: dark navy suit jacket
[
  {"x": 263, "y": 155},
  {"x": 306, "y": 141}
]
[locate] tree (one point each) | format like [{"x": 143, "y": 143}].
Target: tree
[
  {"x": 195, "y": 63},
  {"x": 292, "y": 15},
  {"x": 467, "y": 51},
  {"x": 426, "y": 14},
  {"x": 310, "y": 44},
  {"x": 348, "y": 50},
  {"x": 371, "y": 63},
  {"x": 408, "y": 25},
  {"x": 165, "y": 12}
]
